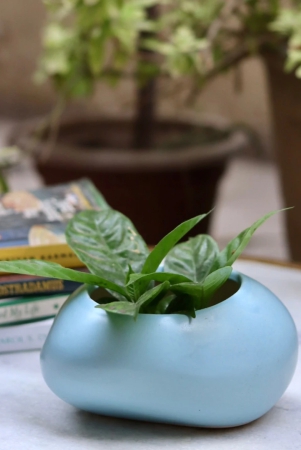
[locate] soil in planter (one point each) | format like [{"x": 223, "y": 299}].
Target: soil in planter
[{"x": 94, "y": 136}]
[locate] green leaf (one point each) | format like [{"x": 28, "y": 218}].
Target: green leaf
[
  {"x": 158, "y": 276},
  {"x": 107, "y": 243},
  {"x": 235, "y": 247},
  {"x": 201, "y": 293},
  {"x": 96, "y": 53},
  {"x": 192, "y": 292},
  {"x": 191, "y": 289},
  {"x": 152, "y": 294},
  {"x": 167, "y": 243},
  {"x": 132, "y": 309},
  {"x": 53, "y": 270},
  {"x": 212, "y": 283},
  {"x": 162, "y": 305},
  {"x": 80, "y": 87},
  {"x": 193, "y": 258},
  {"x": 182, "y": 304},
  {"x": 139, "y": 282},
  {"x": 132, "y": 290},
  {"x": 130, "y": 272},
  {"x": 122, "y": 307}
]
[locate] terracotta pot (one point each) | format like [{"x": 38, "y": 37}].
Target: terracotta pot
[{"x": 156, "y": 188}]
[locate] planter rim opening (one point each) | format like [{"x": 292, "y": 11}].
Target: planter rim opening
[{"x": 227, "y": 292}]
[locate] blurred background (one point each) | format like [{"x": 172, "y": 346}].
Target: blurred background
[{"x": 171, "y": 108}]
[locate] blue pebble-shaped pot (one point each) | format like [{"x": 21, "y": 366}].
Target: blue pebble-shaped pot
[{"x": 225, "y": 368}]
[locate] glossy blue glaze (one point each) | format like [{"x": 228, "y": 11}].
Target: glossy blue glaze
[{"x": 227, "y": 367}]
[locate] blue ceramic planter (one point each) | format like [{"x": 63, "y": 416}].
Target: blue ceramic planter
[{"x": 227, "y": 367}]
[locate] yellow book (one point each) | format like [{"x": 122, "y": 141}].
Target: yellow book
[{"x": 59, "y": 253}]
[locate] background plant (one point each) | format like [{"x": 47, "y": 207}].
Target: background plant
[
  {"x": 120, "y": 263},
  {"x": 87, "y": 41}
]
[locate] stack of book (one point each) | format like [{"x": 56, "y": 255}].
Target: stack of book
[{"x": 32, "y": 225}]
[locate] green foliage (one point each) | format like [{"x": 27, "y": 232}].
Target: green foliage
[
  {"x": 167, "y": 243},
  {"x": 107, "y": 244},
  {"x": 53, "y": 270},
  {"x": 288, "y": 24},
  {"x": 120, "y": 263},
  {"x": 235, "y": 247},
  {"x": 193, "y": 258},
  {"x": 90, "y": 40}
]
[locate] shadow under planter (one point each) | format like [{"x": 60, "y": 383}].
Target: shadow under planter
[{"x": 157, "y": 189}]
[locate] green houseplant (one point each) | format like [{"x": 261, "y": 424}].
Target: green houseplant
[
  {"x": 193, "y": 354},
  {"x": 91, "y": 42},
  {"x": 120, "y": 262},
  {"x": 189, "y": 42}
]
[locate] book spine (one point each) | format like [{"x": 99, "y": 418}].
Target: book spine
[
  {"x": 58, "y": 253},
  {"x": 44, "y": 286},
  {"x": 19, "y": 311},
  {"x": 30, "y": 336}
]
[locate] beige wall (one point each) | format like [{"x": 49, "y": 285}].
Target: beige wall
[
  {"x": 20, "y": 30},
  {"x": 249, "y": 105},
  {"x": 21, "y": 22}
]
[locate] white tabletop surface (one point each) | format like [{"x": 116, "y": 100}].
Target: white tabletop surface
[{"x": 32, "y": 418}]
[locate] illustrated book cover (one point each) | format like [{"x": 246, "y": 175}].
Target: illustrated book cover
[{"x": 32, "y": 223}]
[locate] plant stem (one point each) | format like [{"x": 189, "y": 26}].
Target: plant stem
[
  {"x": 144, "y": 125},
  {"x": 146, "y": 98},
  {"x": 3, "y": 183}
]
